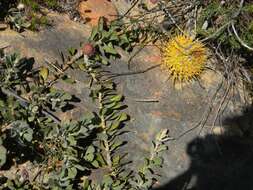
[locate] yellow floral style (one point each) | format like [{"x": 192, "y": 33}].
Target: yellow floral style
[{"x": 184, "y": 58}]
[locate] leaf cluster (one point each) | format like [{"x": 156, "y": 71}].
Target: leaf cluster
[
  {"x": 65, "y": 154},
  {"x": 215, "y": 18}
]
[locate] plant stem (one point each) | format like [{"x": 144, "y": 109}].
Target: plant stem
[
  {"x": 77, "y": 56},
  {"x": 153, "y": 153},
  {"x": 103, "y": 125}
]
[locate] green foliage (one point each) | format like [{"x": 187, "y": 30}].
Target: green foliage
[
  {"x": 31, "y": 3},
  {"x": 37, "y": 21},
  {"x": 35, "y": 4},
  {"x": 53, "y": 4},
  {"x": 24, "y": 123},
  {"x": 106, "y": 38},
  {"x": 22, "y": 19},
  {"x": 65, "y": 153},
  {"x": 17, "y": 20},
  {"x": 215, "y": 20},
  {"x": 29, "y": 17}
]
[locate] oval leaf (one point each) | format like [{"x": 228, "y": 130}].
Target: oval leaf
[{"x": 44, "y": 73}]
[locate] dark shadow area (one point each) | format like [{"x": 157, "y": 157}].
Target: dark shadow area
[
  {"x": 70, "y": 104},
  {"x": 5, "y": 5},
  {"x": 220, "y": 162}
]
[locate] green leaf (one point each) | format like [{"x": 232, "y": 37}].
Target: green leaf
[
  {"x": 90, "y": 154},
  {"x": 66, "y": 96},
  {"x": 90, "y": 150},
  {"x": 28, "y": 134},
  {"x": 146, "y": 162},
  {"x": 111, "y": 105},
  {"x": 72, "y": 51},
  {"x": 163, "y": 134},
  {"x": 104, "y": 60},
  {"x": 122, "y": 117},
  {"x": 114, "y": 126},
  {"x": 95, "y": 163},
  {"x": 94, "y": 32},
  {"x": 3, "y": 153},
  {"x": 103, "y": 136},
  {"x": 116, "y": 160},
  {"x": 105, "y": 35},
  {"x": 82, "y": 67},
  {"x": 158, "y": 161},
  {"x": 101, "y": 24},
  {"x": 107, "y": 180},
  {"x": 71, "y": 140},
  {"x": 116, "y": 98},
  {"x": 72, "y": 172},
  {"x": 35, "y": 109},
  {"x": 85, "y": 182},
  {"x": 79, "y": 167},
  {"x": 110, "y": 49},
  {"x": 44, "y": 72},
  {"x": 113, "y": 115},
  {"x": 114, "y": 37},
  {"x": 100, "y": 159},
  {"x": 162, "y": 148},
  {"x": 116, "y": 145},
  {"x": 124, "y": 39},
  {"x": 147, "y": 184}
]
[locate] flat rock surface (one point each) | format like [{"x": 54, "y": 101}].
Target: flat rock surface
[
  {"x": 91, "y": 10},
  {"x": 179, "y": 110},
  {"x": 48, "y": 43}
]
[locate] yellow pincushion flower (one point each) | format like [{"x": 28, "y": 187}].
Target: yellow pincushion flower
[{"x": 184, "y": 58}]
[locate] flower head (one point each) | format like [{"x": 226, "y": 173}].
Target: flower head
[
  {"x": 88, "y": 49},
  {"x": 184, "y": 58}
]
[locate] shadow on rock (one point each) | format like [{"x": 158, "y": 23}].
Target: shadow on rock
[{"x": 220, "y": 162}]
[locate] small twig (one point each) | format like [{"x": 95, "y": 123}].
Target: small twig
[
  {"x": 216, "y": 32},
  {"x": 4, "y": 46},
  {"x": 128, "y": 11},
  {"x": 113, "y": 75},
  {"x": 231, "y": 22},
  {"x": 142, "y": 46},
  {"x": 210, "y": 107},
  {"x": 5, "y": 127},
  {"x": 54, "y": 66},
  {"x": 220, "y": 106},
  {"x": 37, "y": 174},
  {"x": 204, "y": 118},
  {"x": 239, "y": 39},
  {"x": 77, "y": 56},
  {"x": 239, "y": 9}
]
